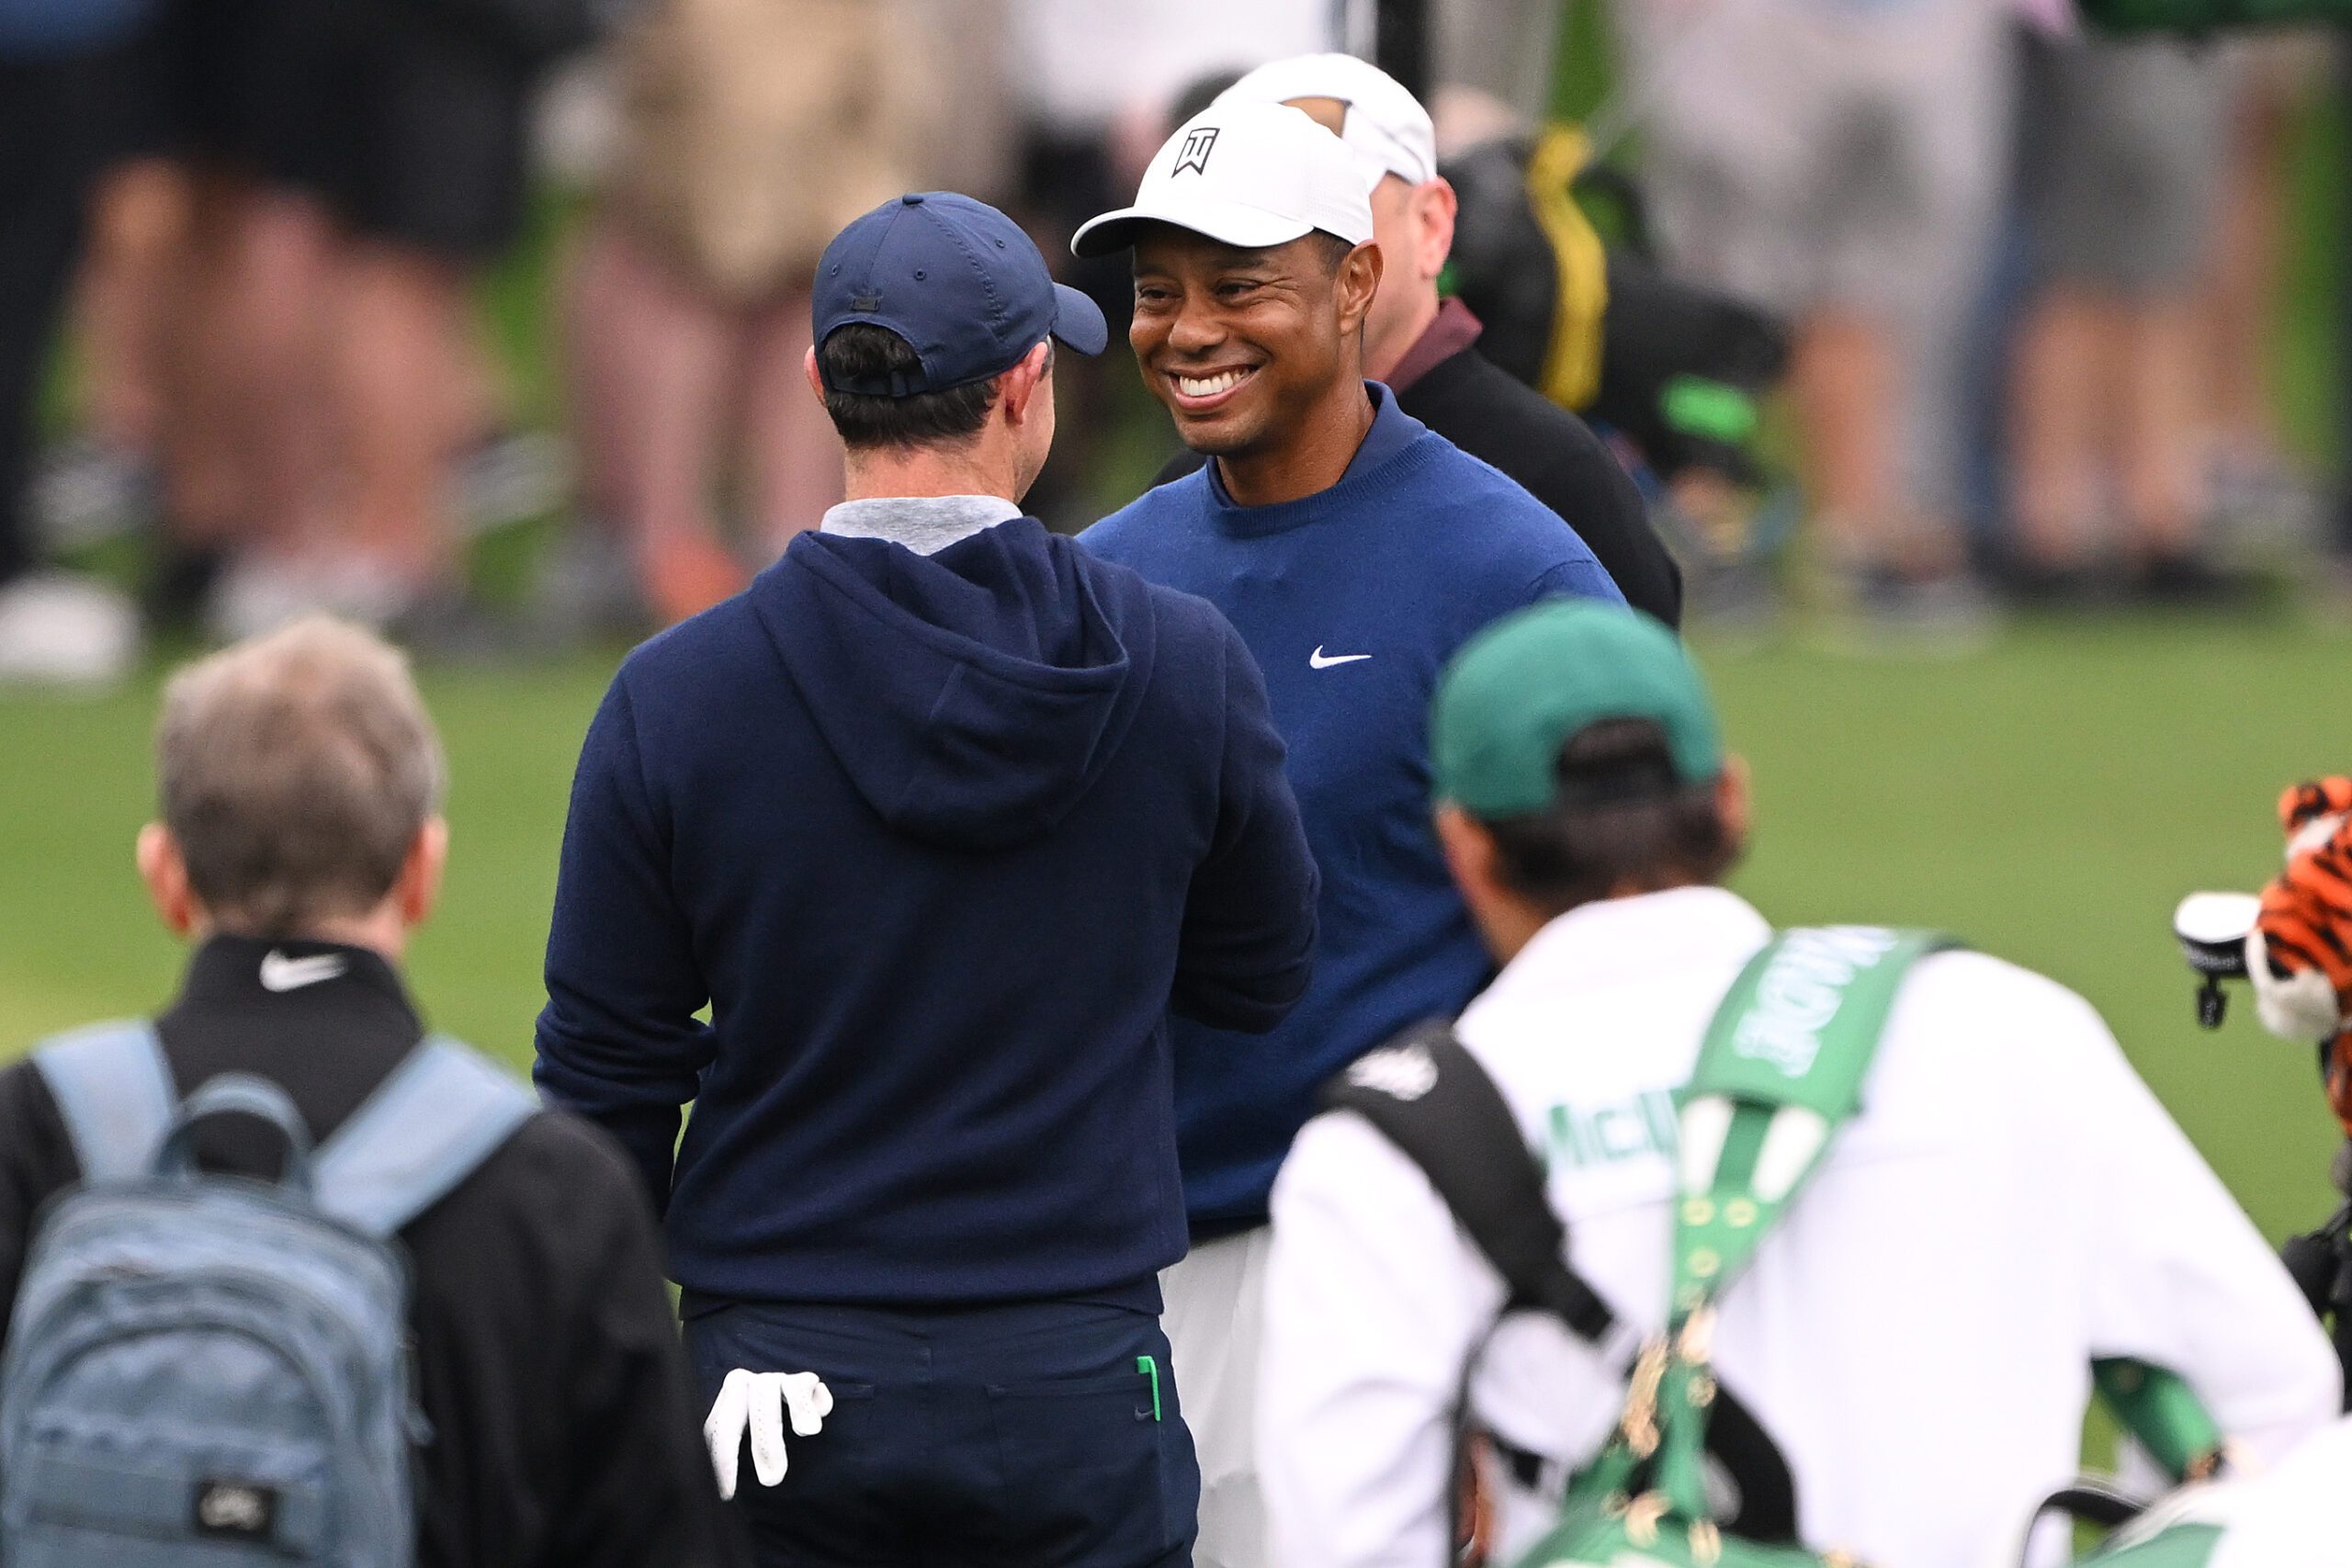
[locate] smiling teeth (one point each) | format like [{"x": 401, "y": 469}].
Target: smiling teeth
[{"x": 1209, "y": 386}]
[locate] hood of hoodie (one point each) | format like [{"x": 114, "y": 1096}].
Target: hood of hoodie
[{"x": 973, "y": 697}]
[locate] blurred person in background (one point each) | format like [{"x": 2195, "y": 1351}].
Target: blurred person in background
[
  {"x": 199, "y": 416},
  {"x": 98, "y": 481},
  {"x": 753, "y": 131},
  {"x": 274, "y": 313},
  {"x": 2124, "y": 142},
  {"x": 2340, "y": 535},
  {"x": 2275, "y": 83},
  {"x": 205, "y": 304},
  {"x": 60, "y": 73},
  {"x": 1840, "y": 164},
  {"x": 1422, "y": 347},
  {"x": 244, "y": 435},
  {"x": 412, "y": 175}
]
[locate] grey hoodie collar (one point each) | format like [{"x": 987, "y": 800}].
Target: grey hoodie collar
[{"x": 925, "y": 524}]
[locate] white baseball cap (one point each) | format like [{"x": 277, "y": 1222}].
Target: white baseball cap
[
  {"x": 1385, "y": 126},
  {"x": 1251, "y": 174}
]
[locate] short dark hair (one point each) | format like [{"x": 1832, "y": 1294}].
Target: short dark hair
[
  {"x": 860, "y": 350},
  {"x": 1336, "y": 251},
  {"x": 1622, "y": 818}
]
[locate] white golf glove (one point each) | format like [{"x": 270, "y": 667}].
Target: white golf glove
[{"x": 757, "y": 1403}]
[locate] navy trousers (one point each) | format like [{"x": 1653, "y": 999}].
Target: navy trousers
[{"x": 1045, "y": 1435}]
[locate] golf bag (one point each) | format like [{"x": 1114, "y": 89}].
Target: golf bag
[
  {"x": 2211, "y": 929},
  {"x": 206, "y": 1368},
  {"x": 2140, "y": 1536},
  {"x": 2320, "y": 1262},
  {"x": 2289, "y": 1515},
  {"x": 1596, "y": 324}
]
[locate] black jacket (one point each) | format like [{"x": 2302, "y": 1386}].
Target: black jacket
[
  {"x": 564, "y": 1426},
  {"x": 1552, "y": 454}
]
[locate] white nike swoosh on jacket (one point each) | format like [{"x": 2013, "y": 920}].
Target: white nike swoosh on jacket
[{"x": 279, "y": 972}]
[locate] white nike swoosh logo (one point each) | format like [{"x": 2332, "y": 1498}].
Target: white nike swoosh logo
[
  {"x": 279, "y": 972},
  {"x": 1317, "y": 660}
]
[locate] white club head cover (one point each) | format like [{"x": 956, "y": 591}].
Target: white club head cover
[
  {"x": 757, "y": 1402},
  {"x": 2300, "y": 1008}
]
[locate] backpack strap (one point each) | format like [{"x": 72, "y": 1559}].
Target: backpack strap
[
  {"x": 115, "y": 1092},
  {"x": 443, "y": 1111},
  {"x": 1439, "y": 1106},
  {"x": 238, "y": 1094},
  {"x": 1780, "y": 1072},
  {"x": 1430, "y": 1098}
]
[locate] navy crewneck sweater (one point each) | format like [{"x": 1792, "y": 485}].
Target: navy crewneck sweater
[
  {"x": 940, "y": 840},
  {"x": 1352, "y": 600}
]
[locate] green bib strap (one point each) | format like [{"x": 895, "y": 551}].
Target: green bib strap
[{"x": 1781, "y": 1071}]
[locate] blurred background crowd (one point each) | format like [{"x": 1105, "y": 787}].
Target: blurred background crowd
[{"x": 482, "y": 320}]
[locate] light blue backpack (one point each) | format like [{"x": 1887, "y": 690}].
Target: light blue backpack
[{"x": 206, "y": 1370}]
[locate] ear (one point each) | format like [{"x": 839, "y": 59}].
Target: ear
[
  {"x": 816, "y": 382},
  {"x": 419, "y": 887},
  {"x": 164, "y": 871},
  {"x": 1438, "y": 207},
  {"x": 1469, "y": 853},
  {"x": 1732, "y": 801},
  {"x": 1019, "y": 388},
  {"x": 1358, "y": 281}
]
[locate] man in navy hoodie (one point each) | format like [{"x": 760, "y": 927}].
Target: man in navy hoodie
[
  {"x": 1355, "y": 549},
  {"x": 938, "y": 820}
]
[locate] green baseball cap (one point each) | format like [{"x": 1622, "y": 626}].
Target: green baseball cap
[{"x": 1515, "y": 693}]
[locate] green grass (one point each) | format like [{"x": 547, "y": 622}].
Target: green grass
[
  {"x": 2049, "y": 800},
  {"x": 76, "y": 939}
]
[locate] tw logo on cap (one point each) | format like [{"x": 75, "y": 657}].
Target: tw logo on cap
[{"x": 1194, "y": 153}]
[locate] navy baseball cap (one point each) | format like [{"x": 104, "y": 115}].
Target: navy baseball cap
[{"x": 958, "y": 280}]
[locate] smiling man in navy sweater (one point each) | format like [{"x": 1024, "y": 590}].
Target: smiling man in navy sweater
[
  {"x": 940, "y": 818},
  {"x": 1355, "y": 550}
]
